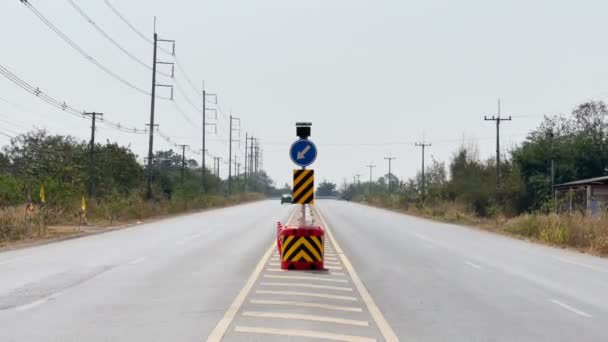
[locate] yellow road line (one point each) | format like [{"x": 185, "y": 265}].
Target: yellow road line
[
  {"x": 383, "y": 326},
  {"x": 311, "y": 286},
  {"x": 306, "y": 305},
  {"x": 220, "y": 329},
  {"x": 303, "y": 333},
  {"x": 305, "y": 278},
  {"x": 314, "y": 318},
  {"x": 306, "y": 294}
]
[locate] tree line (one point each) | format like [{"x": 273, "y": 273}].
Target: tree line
[{"x": 577, "y": 143}]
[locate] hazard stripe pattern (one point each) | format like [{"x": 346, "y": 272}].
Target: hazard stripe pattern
[
  {"x": 302, "y": 248},
  {"x": 303, "y": 186}
]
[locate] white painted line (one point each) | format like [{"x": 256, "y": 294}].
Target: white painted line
[
  {"x": 333, "y": 268},
  {"x": 38, "y": 302},
  {"x": 306, "y": 305},
  {"x": 325, "y": 319},
  {"x": 274, "y": 270},
  {"x": 310, "y": 286},
  {"x": 428, "y": 245},
  {"x": 570, "y": 308},
  {"x": 591, "y": 267},
  {"x": 274, "y": 264},
  {"x": 221, "y": 327},
  {"x": 303, "y": 333},
  {"x": 473, "y": 265},
  {"x": 381, "y": 322},
  {"x": 136, "y": 261},
  {"x": 306, "y": 294},
  {"x": 330, "y": 258},
  {"x": 305, "y": 278},
  {"x": 182, "y": 241},
  {"x": 331, "y": 262}
]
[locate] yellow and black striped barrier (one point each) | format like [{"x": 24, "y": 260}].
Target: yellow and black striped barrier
[
  {"x": 302, "y": 248},
  {"x": 303, "y": 186}
]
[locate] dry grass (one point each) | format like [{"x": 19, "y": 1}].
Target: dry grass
[
  {"x": 61, "y": 222},
  {"x": 587, "y": 234}
]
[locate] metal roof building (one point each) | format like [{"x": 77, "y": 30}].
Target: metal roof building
[{"x": 590, "y": 195}]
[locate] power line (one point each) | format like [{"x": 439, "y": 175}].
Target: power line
[
  {"x": 110, "y": 39},
  {"x": 61, "y": 105},
  {"x": 81, "y": 51}
]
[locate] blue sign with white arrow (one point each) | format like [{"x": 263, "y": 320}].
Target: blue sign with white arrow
[{"x": 303, "y": 152}]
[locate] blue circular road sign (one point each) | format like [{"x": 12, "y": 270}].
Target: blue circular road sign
[{"x": 303, "y": 152}]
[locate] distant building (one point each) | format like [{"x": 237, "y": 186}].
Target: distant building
[{"x": 588, "y": 195}]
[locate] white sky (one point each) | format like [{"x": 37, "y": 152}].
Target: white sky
[{"x": 363, "y": 72}]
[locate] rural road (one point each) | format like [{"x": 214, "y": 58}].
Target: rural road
[{"x": 214, "y": 274}]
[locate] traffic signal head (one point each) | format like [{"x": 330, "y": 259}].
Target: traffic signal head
[{"x": 303, "y": 129}]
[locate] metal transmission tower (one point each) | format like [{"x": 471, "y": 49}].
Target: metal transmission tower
[
  {"x": 153, "y": 102},
  {"x": 498, "y": 119},
  {"x": 204, "y": 129},
  {"x": 371, "y": 166},
  {"x": 183, "y": 160},
  {"x": 423, "y": 185},
  {"x": 92, "y": 153},
  {"x": 231, "y": 139},
  {"x": 390, "y": 159}
]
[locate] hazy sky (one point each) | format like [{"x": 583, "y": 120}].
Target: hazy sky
[{"x": 372, "y": 76}]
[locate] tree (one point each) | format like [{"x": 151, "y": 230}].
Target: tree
[{"x": 326, "y": 188}]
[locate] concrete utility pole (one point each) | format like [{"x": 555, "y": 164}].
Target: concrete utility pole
[
  {"x": 153, "y": 102},
  {"x": 358, "y": 179},
  {"x": 251, "y": 156},
  {"x": 390, "y": 159},
  {"x": 498, "y": 119},
  {"x": 183, "y": 160},
  {"x": 553, "y": 195},
  {"x": 92, "y": 153},
  {"x": 205, "y": 124},
  {"x": 245, "y": 167},
  {"x": 423, "y": 186},
  {"x": 231, "y": 139},
  {"x": 371, "y": 166}
]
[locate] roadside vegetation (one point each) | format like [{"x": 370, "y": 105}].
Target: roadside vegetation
[
  {"x": 60, "y": 165},
  {"x": 464, "y": 189}
]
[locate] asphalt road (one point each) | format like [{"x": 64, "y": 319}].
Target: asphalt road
[
  {"x": 443, "y": 282},
  {"x": 170, "y": 280},
  {"x": 216, "y": 274}
]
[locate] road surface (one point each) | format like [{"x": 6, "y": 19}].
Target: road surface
[
  {"x": 443, "y": 282},
  {"x": 215, "y": 275}
]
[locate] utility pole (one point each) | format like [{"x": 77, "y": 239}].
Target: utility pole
[
  {"x": 371, "y": 166},
  {"x": 92, "y": 153},
  {"x": 498, "y": 119},
  {"x": 246, "y": 141},
  {"x": 553, "y": 170},
  {"x": 358, "y": 179},
  {"x": 231, "y": 139},
  {"x": 251, "y": 156},
  {"x": 390, "y": 159},
  {"x": 257, "y": 155},
  {"x": 423, "y": 186},
  {"x": 183, "y": 160},
  {"x": 204, "y": 129},
  {"x": 153, "y": 102}
]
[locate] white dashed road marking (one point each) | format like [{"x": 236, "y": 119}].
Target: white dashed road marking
[
  {"x": 306, "y": 304},
  {"x": 303, "y": 333},
  {"x": 473, "y": 265},
  {"x": 326, "y": 319},
  {"x": 305, "y": 278},
  {"x": 306, "y": 294},
  {"x": 570, "y": 308},
  {"x": 310, "y": 286}
]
